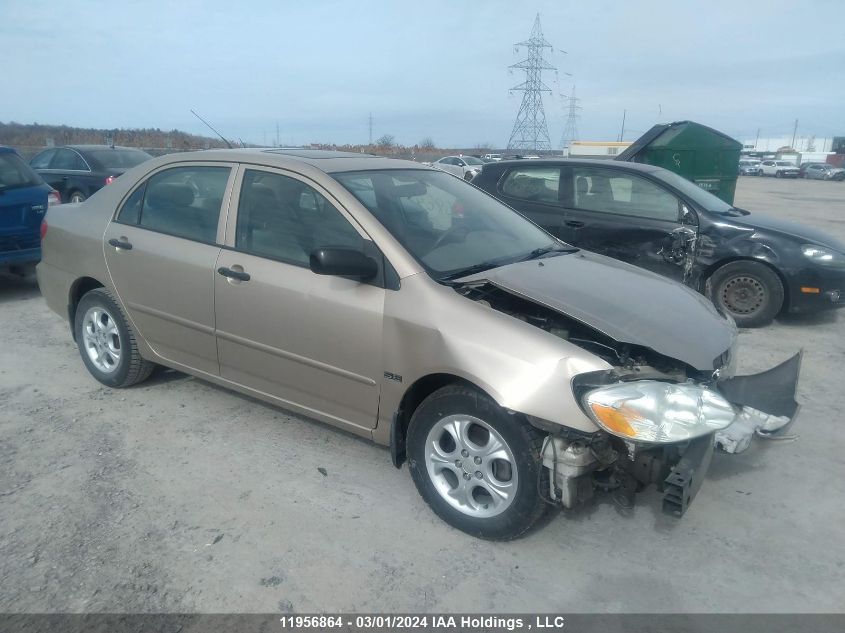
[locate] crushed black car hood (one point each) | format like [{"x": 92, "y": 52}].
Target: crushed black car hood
[
  {"x": 794, "y": 229},
  {"x": 628, "y": 304}
]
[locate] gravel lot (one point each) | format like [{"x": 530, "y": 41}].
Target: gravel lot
[{"x": 179, "y": 496}]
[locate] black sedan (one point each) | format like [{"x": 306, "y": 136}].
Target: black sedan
[
  {"x": 751, "y": 266},
  {"x": 77, "y": 171}
]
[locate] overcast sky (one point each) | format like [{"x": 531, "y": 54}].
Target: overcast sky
[{"x": 423, "y": 68}]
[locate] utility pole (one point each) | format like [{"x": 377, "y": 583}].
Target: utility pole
[
  {"x": 371, "y": 128},
  {"x": 529, "y": 129},
  {"x": 277, "y": 134},
  {"x": 622, "y": 131},
  {"x": 794, "y": 132},
  {"x": 757, "y": 139}
]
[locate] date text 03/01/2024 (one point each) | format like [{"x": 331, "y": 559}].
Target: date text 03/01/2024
[{"x": 422, "y": 622}]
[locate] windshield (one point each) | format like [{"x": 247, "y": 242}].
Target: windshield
[
  {"x": 702, "y": 198},
  {"x": 472, "y": 160},
  {"x": 119, "y": 158},
  {"x": 14, "y": 173},
  {"x": 447, "y": 225}
]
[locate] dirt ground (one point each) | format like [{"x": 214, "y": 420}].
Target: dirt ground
[{"x": 180, "y": 496}]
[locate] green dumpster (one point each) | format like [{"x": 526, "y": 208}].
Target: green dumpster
[{"x": 701, "y": 154}]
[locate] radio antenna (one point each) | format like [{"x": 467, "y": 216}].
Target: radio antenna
[{"x": 228, "y": 144}]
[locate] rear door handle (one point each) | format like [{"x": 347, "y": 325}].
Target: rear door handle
[
  {"x": 233, "y": 274},
  {"x": 574, "y": 224},
  {"x": 120, "y": 244}
]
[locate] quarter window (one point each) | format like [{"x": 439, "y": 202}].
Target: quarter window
[
  {"x": 283, "y": 218},
  {"x": 610, "y": 191},
  {"x": 182, "y": 201},
  {"x": 539, "y": 185}
]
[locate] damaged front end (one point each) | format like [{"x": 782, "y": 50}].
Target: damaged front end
[
  {"x": 664, "y": 433},
  {"x": 659, "y": 417}
]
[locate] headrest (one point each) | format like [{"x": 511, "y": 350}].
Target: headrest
[{"x": 170, "y": 194}]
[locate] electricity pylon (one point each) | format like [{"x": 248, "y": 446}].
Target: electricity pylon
[
  {"x": 570, "y": 129},
  {"x": 530, "y": 130}
]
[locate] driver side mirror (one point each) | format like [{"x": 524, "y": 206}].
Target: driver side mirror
[{"x": 342, "y": 262}]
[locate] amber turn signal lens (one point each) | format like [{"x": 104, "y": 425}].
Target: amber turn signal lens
[
  {"x": 809, "y": 290},
  {"x": 613, "y": 419}
]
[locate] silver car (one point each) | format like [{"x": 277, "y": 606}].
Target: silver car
[
  {"x": 464, "y": 166},
  {"x": 823, "y": 171},
  {"x": 510, "y": 371}
]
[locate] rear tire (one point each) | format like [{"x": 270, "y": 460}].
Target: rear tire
[
  {"x": 76, "y": 197},
  {"x": 778, "y": 174},
  {"x": 107, "y": 342},
  {"x": 751, "y": 292},
  {"x": 459, "y": 433}
]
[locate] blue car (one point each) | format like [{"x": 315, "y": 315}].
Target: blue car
[{"x": 24, "y": 199}]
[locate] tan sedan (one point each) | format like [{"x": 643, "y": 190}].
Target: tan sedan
[{"x": 511, "y": 371}]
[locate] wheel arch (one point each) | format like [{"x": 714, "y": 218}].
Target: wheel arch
[
  {"x": 712, "y": 268},
  {"x": 78, "y": 290},
  {"x": 411, "y": 400}
]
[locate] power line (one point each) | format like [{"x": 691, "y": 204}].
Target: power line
[{"x": 530, "y": 130}]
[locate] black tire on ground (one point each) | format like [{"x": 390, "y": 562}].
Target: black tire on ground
[
  {"x": 751, "y": 292},
  {"x": 467, "y": 176},
  {"x": 523, "y": 441},
  {"x": 130, "y": 368},
  {"x": 76, "y": 196},
  {"x": 778, "y": 174}
]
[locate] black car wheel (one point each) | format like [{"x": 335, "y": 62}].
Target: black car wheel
[
  {"x": 750, "y": 292},
  {"x": 76, "y": 196},
  {"x": 778, "y": 174},
  {"x": 477, "y": 466},
  {"x": 107, "y": 343}
]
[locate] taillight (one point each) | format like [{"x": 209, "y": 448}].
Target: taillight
[
  {"x": 53, "y": 198},
  {"x": 109, "y": 180},
  {"x": 43, "y": 229}
]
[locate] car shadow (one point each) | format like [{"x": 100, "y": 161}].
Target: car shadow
[
  {"x": 18, "y": 287},
  {"x": 808, "y": 319}
]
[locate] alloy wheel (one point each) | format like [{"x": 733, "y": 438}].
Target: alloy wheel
[
  {"x": 471, "y": 466},
  {"x": 101, "y": 339}
]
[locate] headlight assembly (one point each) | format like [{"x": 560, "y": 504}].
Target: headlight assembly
[
  {"x": 823, "y": 256},
  {"x": 658, "y": 412}
]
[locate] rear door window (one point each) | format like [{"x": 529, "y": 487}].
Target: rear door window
[
  {"x": 181, "y": 201},
  {"x": 42, "y": 160},
  {"x": 68, "y": 160},
  {"x": 539, "y": 184}
]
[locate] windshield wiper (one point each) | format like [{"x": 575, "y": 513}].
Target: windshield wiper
[
  {"x": 557, "y": 248},
  {"x": 470, "y": 270}
]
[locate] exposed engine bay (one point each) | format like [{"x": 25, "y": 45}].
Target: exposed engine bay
[{"x": 579, "y": 464}]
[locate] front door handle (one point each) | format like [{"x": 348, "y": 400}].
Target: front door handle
[
  {"x": 233, "y": 274},
  {"x": 575, "y": 224},
  {"x": 121, "y": 245}
]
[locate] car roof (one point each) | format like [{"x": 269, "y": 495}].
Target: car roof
[
  {"x": 586, "y": 162},
  {"x": 324, "y": 160},
  {"x": 92, "y": 146},
  {"x": 7, "y": 150}
]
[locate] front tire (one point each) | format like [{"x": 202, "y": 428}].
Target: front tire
[
  {"x": 476, "y": 465},
  {"x": 107, "y": 342},
  {"x": 751, "y": 292}
]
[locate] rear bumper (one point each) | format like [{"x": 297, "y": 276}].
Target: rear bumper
[{"x": 18, "y": 257}]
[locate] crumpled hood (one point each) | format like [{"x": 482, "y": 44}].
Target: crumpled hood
[
  {"x": 628, "y": 304},
  {"x": 795, "y": 229}
]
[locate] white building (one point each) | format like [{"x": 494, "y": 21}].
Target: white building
[
  {"x": 802, "y": 144},
  {"x": 595, "y": 149}
]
